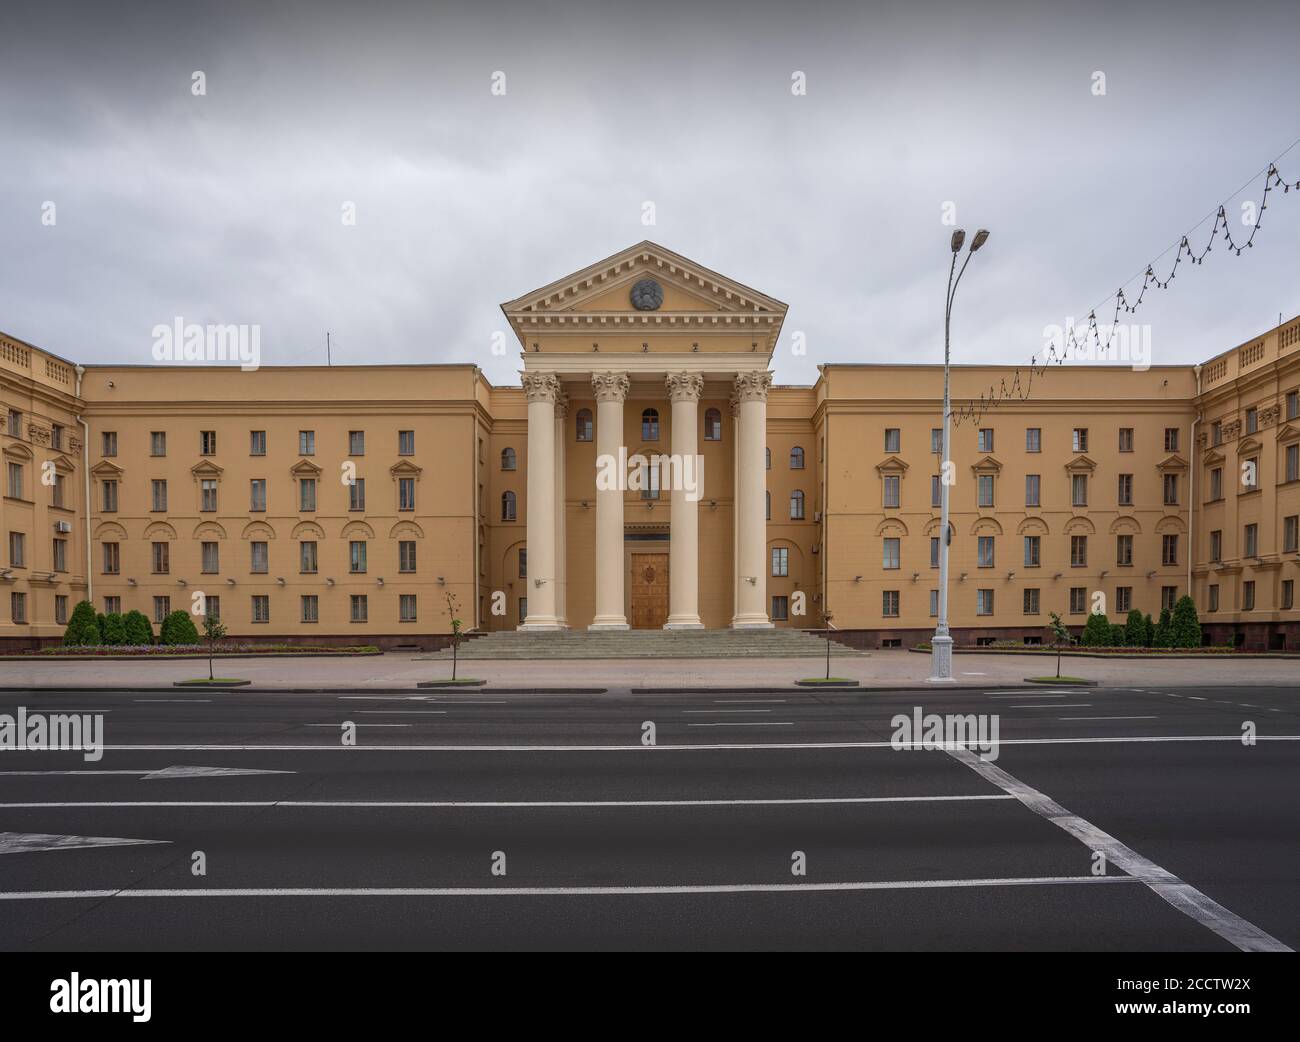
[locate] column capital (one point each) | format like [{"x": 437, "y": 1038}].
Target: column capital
[
  {"x": 541, "y": 387},
  {"x": 561, "y": 404},
  {"x": 684, "y": 387},
  {"x": 753, "y": 387},
  {"x": 610, "y": 387}
]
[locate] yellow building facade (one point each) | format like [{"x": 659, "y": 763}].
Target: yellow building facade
[{"x": 647, "y": 474}]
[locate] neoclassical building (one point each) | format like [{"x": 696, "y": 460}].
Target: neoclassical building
[{"x": 647, "y": 474}]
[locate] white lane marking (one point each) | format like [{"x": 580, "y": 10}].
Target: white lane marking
[
  {"x": 747, "y": 701},
  {"x": 385, "y": 698},
  {"x": 1197, "y": 698},
  {"x": 30, "y": 842},
  {"x": 966, "y": 674},
  {"x": 569, "y": 891},
  {"x": 147, "y": 774},
  {"x": 746, "y": 723},
  {"x": 1108, "y": 718},
  {"x": 401, "y": 712},
  {"x": 715, "y": 711},
  {"x": 1057, "y": 705},
  {"x": 686, "y": 748},
  {"x": 1026, "y": 694},
  {"x": 522, "y": 804},
  {"x": 340, "y": 724},
  {"x": 1183, "y": 896},
  {"x": 174, "y": 701}
]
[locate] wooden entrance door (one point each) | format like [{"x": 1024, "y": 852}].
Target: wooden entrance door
[{"x": 649, "y": 591}]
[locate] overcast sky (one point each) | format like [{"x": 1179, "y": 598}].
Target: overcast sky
[{"x": 227, "y": 207}]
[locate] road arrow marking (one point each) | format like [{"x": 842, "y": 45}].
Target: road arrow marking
[
  {"x": 207, "y": 772},
  {"x": 29, "y": 842}
]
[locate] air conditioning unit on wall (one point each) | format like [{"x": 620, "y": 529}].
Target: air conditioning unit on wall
[{"x": 63, "y": 526}]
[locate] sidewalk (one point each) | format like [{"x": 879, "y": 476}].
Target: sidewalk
[{"x": 897, "y": 668}]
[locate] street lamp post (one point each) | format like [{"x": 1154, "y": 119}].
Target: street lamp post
[{"x": 941, "y": 642}]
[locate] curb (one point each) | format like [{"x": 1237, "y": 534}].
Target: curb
[
  {"x": 1061, "y": 682},
  {"x": 451, "y": 684},
  {"x": 206, "y": 685}
]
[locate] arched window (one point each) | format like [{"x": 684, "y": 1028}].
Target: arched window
[
  {"x": 650, "y": 425},
  {"x": 712, "y": 425},
  {"x": 584, "y": 424},
  {"x": 796, "y": 505},
  {"x": 769, "y": 505},
  {"x": 507, "y": 506},
  {"x": 769, "y": 458},
  {"x": 507, "y": 459},
  {"x": 796, "y": 458}
]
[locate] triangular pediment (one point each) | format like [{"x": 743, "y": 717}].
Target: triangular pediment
[
  {"x": 304, "y": 468},
  {"x": 891, "y": 465},
  {"x": 404, "y": 468},
  {"x": 1212, "y": 458},
  {"x": 1288, "y": 432},
  {"x": 987, "y": 465},
  {"x": 1081, "y": 464},
  {"x": 106, "y": 469},
  {"x": 606, "y": 287},
  {"x": 206, "y": 469},
  {"x": 1246, "y": 445},
  {"x": 1172, "y": 462}
]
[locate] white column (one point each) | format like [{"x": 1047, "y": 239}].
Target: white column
[
  {"x": 751, "y": 493},
  {"x": 541, "y": 390},
  {"x": 610, "y": 390},
  {"x": 734, "y": 411},
  {"x": 684, "y": 389},
  {"x": 561, "y": 510}
]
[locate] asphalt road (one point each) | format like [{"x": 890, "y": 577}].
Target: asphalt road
[{"x": 497, "y": 821}]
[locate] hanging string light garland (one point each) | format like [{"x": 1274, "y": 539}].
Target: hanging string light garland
[{"x": 1019, "y": 385}]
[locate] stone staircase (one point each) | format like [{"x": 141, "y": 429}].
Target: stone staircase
[{"x": 579, "y": 644}]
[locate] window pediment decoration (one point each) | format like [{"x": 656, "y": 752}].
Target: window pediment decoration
[
  {"x": 209, "y": 530},
  {"x": 1213, "y": 458},
  {"x": 405, "y": 469},
  {"x": 1171, "y": 464},
  {"x": 1125, "y": 524},
  {"x": 936, "y": 523},
  {"x": 305, "y": 468},
  {"x": 987, "y": 465},
  {"x": 357, "y": 530},
  {"x": 258, "y": 530},
  {"x": 1248, "y": 445},
  {"x": 1081, "y": 465},
  {"x": 1169, "y": 524},
  {"x": 110, "y": 532},
  {"x": 206, "y": 469},
  {"x": 307, "y": 530},
  {"x": 1033, "y": 525},
  {"x": 1079, "y": 525},
  {"x": 17, "y": 450},
  {"x": 891, "y": 465},
  {"x": 986, "y": 526},
  {"x": 406, "y": 530},
  {"x": 159, "y": 530},
  {"x": 1288, "y": 432},
  {"x": 105, "y": 469},
  {"x": 891, "y": 526},
  {"x": 63, "y": 465}
]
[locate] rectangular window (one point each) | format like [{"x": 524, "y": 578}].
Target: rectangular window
[
  {"x": 161, "y": 558},
  {"x": 257, "y": 443},
  {"x": 780, "y": 561},
  {"x": 18, "y": 549},
  {"x": 1171, "y": 439},
  {"x": 356, "y": 443},
  {"x": 162, "y": 607},
  {"x": 112, "y": 558},
  {"x": 1126, "y": 439},
  {"x": 208, "y": 495},
  {"x": 934, "y": 604},
  {"x": 934, "y": 551},
  {"x": 306, "y": 494},
  {"x": 406, "y": 556},
  {"x": 310, "y": 607},
  {"x": 1293, "y": 405},
  {"x": 258, "y": 557},
  {"x": 892, "y": 482},
  {"x": 1125, "y": 495},
  {"x": 1291, "y": 533},
  {"x": 889, "y": 604},
  {"x": 1033, "y": 551},
  {"x": 1168, "y": 597},
  {"x": 985, "y": 439},
  {"x": 936, "y": 491},
  {"x": 211, "y": 558},
  {"x": 212, "y": 606},
  {"x": 360, "y": 607},
  {"x": 1252, "y": 420},
  {"x": 406, "y": 443},
  {"x": 15, "y": 423},
  {"x": 56, "y": 437},
  {"x": 306, "y": 443},
  {"x": 112, "y": 605},
  {"x": 1248, "y": 595},
  {"x": 1031, "y": 601},
  {"x": 1171, "y": 490},
  {"x": 109, "y": 443},
  {"x": 15, "y": 489},
  {"x": 261, "y": 605},
  {"x": 1078, "y": 600},
  {"x": 1033, "y": 490},
  {"x": 406, "y": 607},
  {"x": 985, "y": 551},
  {"x": 357, "y": 494},
  {"x": 1080, "y": 439},
  {"x": 1293, "y": 462},
  {"x": 257, "y": 495},
  {"x": 1288, "y": 594},
  {"x": 1216, "y": 432},
  {"x": 1124, "y": 551},
  {"x": 207, "y": 443},
  {"x": 1251, "y": 541},
  {"x": 108, "y": 489},
  {"x": 159, "y": 493},
  {"x": 18, "y": 606},
  {"x": 357, "y": 555},
  {"x": 1033, "y": 439},
  {"x": 1216, "y": 484},
  {"x": 307, "y": 557},
  {"x": 1169, "y": 549},
  {"x": 890, "y": 554},
  {"x": 60, "y": 609},
  {"x": 523, "y": 562},
  {"x": 1124, "y": 598},
  {"x": 985, "y": 485},
  {"x": 1214, "y": 598},
  {"x": 893, "y": 439},
  {"x": 1079, "y": 490},
  {"x": 983, "y": 602},
  {"x": 936, "y": 440},
  {"x": 58, "y": 491},
  {"x": 406, "y": 493},
  {"x": 1216, "y": 545},
  {"x": 1078, "y": 551},
  {"x": 157, "y": 443},
  {"x": 780, "y": 608}
]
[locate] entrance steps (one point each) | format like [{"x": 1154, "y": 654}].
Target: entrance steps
[{"x": 580, "y": 644}]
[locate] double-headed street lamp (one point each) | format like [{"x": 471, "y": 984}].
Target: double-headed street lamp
[{"x": 941, "y": 643}]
